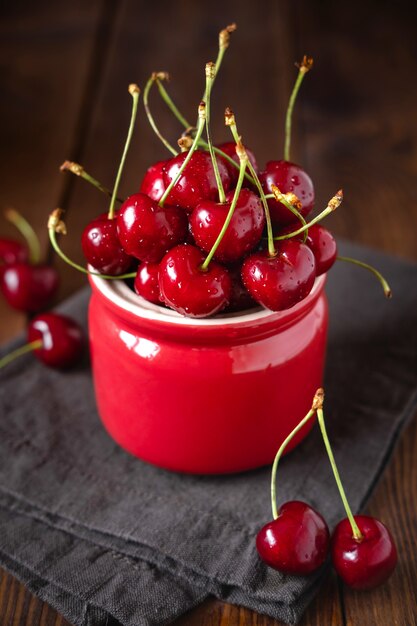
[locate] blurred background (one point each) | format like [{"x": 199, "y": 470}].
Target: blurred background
[{"x": 65, "y": 68}]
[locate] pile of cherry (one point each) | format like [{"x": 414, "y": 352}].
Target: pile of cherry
[{"x": 211, "y": 232}]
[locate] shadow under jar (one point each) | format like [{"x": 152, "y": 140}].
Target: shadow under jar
[{"x": 204, "y": 396}]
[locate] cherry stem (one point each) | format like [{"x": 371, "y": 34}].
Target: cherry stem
[
  {"x": 169, "y": 102},
  {"x": 382, "y": 280},
  {"x": 28, "y": 347},
  {"x": 332, "y": 206},
  {"x": 134, "y": 92},
  {"x": 243, "y": 165},
  {"x": 174, "y": 109},
  {"x": 224, "y": 40},
  {"x": 78, "y": 170},
  {"x": 281, "y": 197},
  {"x": 210, "y": 77},
  {"x": 25, "y": 229},
  {"x": 317, "y": 401},
  {"x": 200, "y": 128},
  {"x": 305, "y": 65},
  {"x": 56, "y": 225},
  {"x": 231, "y": 122},
  {"x": 149, "y": 84},
  {"x": 355, "y": 529}
]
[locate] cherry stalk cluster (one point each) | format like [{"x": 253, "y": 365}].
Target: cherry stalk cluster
[{"x": 208, "y": 231}]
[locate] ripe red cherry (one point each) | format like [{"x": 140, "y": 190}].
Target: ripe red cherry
[
  {"x": 229, "y": 148},
  {"x": 321, "y": 242},
  {"x": 188, "y": 289},
  {"x": 29, "y": 288},
  {"x": 297, "y": 542},
  {"x": 243, "y": 233},
  {"x": 153, "y": 182},
  {"x": 288, "y": 177},
  {"x": 146, "y": 282},
  {"x": 281, "y": 281},
  {"x": 146, "y": 230},
  {"x": 62, "y": 339},
  {"x": 366, "y": 563},
  {"x": 102, "y": 248},
  {"x": 12, "y": 251},
  {"x": 197, "y": 182}
]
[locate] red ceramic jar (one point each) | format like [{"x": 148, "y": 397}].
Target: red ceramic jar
[{"x": 205, "y": 396}]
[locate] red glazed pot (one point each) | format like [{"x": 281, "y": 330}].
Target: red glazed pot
[{"x": 206, "y": 396}]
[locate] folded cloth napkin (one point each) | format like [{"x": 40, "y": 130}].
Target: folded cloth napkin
[{"x": 108, "y": 539}]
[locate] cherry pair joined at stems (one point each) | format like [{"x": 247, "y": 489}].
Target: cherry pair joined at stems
[{"x": 297, "y": 540}]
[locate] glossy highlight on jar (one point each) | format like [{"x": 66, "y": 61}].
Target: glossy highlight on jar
[{"x": 204, "y": 396}]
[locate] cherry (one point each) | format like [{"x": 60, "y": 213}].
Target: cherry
[
  {"x": 146, "y": 230},
  {"x": 62, "y": 339},
  {"x": 321, "y": 242},
  {"x": 188, "y": 289},
  {"x": 29, "y": 288},
  {"x": 280, "y": 281},
  {"x": 197, "y": 182},
  {"x": 296, "y": 542},
  {"x": 229, "y": 148},
  {"x": 153, "y": 184},
  {"x": 288, "y": 177},
  {"x": 240, "y": 298},
  {"x": 243, "y": 233},
  {"x": 102, "y": 248},
  {"x": 367, "y": 562},
  {"x": 146, "y": 283},
  {"x": 12, "y": 251}
]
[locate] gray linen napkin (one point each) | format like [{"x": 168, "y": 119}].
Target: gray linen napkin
[{"x": 108, "y": 539}]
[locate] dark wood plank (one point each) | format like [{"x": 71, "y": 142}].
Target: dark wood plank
[
  {"x": 362, "y": 137},
  {"x": 44, "y": 104},
  {"x": 45, "y": 89}
]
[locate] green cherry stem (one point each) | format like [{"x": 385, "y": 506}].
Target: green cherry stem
[
  {"x": 168, "y": 100},
  {"x": 78, "y": 170},
  {"x": 282, "y": 197},
  {"x": 356, "y": 532},
  {"x": 317, "y": 401},
  {"x": 224, "y": 40},
  {"x": 382, "y": 280},
  {"x": 333, "y": 204},
  {"x": 28, "y": 347},
  {"x": 177, "y": 113},
  {"x": 23, "y": 226},
  {"x": 200, "y": 128},
  {"x": 153, "y": 78},
  {"x": 305, "y": 65},
  {"x": 210, "y": 77},
  {"x": 134, "y": 92},
  {"x": 243, "y": 164},
  {"x": 230, "y": 121},
  {"x": 56, "y": 225}
]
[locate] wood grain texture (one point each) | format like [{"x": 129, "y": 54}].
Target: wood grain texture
[
  {"x": 44, "y": 85},
  {"x": 64, "y": 96}
]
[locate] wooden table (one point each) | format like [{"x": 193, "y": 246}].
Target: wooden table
[{"x": 65, "y": 71}]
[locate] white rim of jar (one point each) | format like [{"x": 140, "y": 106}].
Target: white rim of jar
[{"x": 118, "y": 292}]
